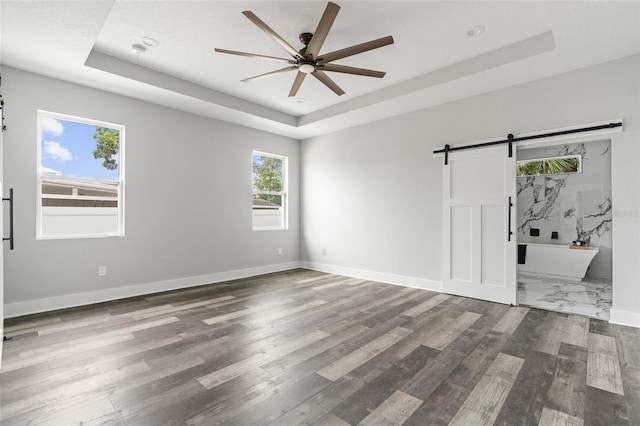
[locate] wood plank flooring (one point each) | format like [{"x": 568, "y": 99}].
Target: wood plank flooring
[{"x": 307, "y": 348}]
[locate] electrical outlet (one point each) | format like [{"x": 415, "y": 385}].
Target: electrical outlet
[
  {"x": 279, "y": 251},
  {"x": 324, "y": 251},
  {"x": 102, "y": 271}
]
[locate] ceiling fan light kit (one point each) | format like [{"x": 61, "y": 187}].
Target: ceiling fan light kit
[
  {"x": 308, "y": 60},
  {"x": 307, "y": 67}
]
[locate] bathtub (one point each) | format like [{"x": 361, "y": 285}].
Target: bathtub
[{"x": 557, "y": 261}]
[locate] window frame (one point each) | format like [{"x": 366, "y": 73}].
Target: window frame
[
  {"x": 284, "y": 193},
  {"x": 121, "y": 176}
]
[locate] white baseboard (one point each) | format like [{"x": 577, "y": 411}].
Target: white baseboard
[
  {"x": 628, "y": 318},
  {"x": 383, "y": 277},
  {"x": 27, "y": 307}
]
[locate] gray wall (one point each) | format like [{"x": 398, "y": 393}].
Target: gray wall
[
  {"x": 372, "y": 194},
  {"x": 576, "y": 206},
  {"x": 371, "y": 198},
  {"x": 188, "y": 196}
]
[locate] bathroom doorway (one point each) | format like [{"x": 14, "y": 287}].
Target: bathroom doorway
[{"x": 564, "y": 227}]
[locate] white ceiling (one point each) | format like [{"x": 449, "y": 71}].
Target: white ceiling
[{"x": 431, "y": 62}]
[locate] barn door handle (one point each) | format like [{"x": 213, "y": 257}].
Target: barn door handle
[
  {"x": 10, "y": 237},
  {"x": 509, "y": 233}
]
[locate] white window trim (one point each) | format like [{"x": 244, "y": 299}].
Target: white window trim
[
  {"x": 121, "y": 173},
  {"x": 284, "y": 193}
]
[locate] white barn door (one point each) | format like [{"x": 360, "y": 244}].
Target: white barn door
[{"x": 479, "y": 247}]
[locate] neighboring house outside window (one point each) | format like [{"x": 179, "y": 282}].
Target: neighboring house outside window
[
  {"x": 80, "y": 177},
  {"x": 269, "y": 182}
]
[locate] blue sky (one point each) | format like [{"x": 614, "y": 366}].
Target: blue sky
[{"x": 68, "y": 147}]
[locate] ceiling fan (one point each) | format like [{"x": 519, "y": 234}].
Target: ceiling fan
[{"x": 308, "y": 60}]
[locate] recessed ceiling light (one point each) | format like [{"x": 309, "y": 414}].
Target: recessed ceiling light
[
  {"x": 150, "y": 42},
  {"x": 476, "y": 31},
  {"x": 301, "y": 100},
  {"x": 138, "y": 49}
]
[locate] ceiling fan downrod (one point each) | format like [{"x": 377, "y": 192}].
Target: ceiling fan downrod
[{"x": 308, "y": 64}]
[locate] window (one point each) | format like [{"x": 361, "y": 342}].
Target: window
[
  {"x": 269, "y": 179},
  {"x": 550, "y": 166},
  {"x": 80, "y": 177}
]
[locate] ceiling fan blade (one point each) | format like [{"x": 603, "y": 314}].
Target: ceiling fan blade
[
  {"x": 354, "y": 50},
  {"x": 322, "y": 31},
  {"x": 297, "y": 83},
  {"x": 269, "y": 74},
  {"x": 352, "y": 70},
  {"x": 255, "y": 55},
  {"x": 268, "y": 31},
  {"x": 328, "y": 82}
]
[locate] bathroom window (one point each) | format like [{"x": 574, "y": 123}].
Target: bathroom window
[
  {"x": 550, "y": 166},
  {"x": 80, "y": 185},
  {"x": 269, "y": 183}
]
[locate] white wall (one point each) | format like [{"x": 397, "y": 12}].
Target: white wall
[
  {"x": 188, "y": 206},
  {"x": 372, "y": 194}
]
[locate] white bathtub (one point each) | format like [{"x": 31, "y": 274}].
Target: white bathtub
[{"x": 557, "y": 261}]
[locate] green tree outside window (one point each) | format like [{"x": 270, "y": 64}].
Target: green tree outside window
[
  {"x": 548, "y": 166},
  {"x": 107, "y": 141},
  {"x": 267, "y": 176}
]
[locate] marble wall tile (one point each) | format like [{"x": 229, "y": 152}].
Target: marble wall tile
[{"x": 576, "y": 205}]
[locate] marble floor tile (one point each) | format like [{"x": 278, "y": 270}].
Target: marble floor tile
[{"x": 591, "y": 297}]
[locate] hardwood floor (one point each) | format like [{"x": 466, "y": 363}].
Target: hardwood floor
[{"x": 303, "y": 347}]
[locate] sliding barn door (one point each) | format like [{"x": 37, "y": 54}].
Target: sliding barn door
[{"x": 479, "y": 249}]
